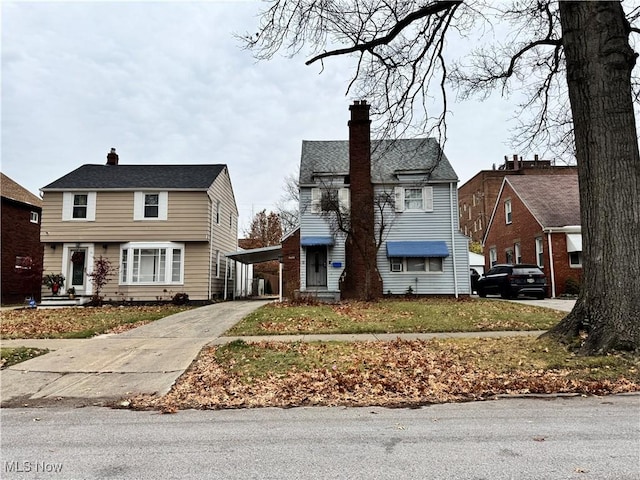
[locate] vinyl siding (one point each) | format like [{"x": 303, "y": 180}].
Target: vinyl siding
[
  {"x": 186, "y": 220},
  {"x": 313, "y": 224}
]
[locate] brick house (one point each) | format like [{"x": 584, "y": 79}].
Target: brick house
[
  {"x": 21, "y": 248},
  {"x": 477, "y": 197},
  {"x": 420, "y": 251},
  {"x": 536, "y": 220}
]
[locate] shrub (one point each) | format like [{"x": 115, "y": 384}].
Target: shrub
[
  {"x": 180, "y": 298},
  {"x": 572, "y": 286}
]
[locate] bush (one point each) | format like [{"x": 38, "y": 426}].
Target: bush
[
  {"x": 572, "y": 286},
  {"x": 180, "y": 299}
]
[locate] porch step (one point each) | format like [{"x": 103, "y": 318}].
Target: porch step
[
  {"x": 325, "y": 296},
  {"x": 63, "y": 301}
]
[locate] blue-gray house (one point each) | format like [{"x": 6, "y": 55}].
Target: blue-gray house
[{"x": 411, "y": 194}]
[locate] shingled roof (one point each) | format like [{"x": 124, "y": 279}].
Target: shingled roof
[
  {"x": 554, "y": 200},
  {"x": 13, "y": 191},
  {"x": 388, "y": 157},
  {"x": 169, "y": 177}
]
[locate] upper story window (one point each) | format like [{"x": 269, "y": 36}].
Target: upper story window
[
  {"x": 414, "y": 199},
  {"x": 34, "y": 217},
  {"x": 330, "y": 200},
  {"x": 150, "y": 205},
  {"x": 507, "y": 211},
  {"x": 218, "y": 212},
  {"x": 78, "y": 206}
]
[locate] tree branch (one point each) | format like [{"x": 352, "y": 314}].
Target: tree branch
[{"x": 395, "y": 31}]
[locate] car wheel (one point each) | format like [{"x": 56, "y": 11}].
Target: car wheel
[
  {"x": 482, "y": 293},
  {"x": 506, "y": 293},
  {"x": 540, "y": 296}
]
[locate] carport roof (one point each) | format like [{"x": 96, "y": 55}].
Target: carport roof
[{"x": 256, "y": 255}]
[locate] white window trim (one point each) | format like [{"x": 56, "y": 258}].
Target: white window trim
[
  {"x": 517, "y": 253},
  {"x": 508, "y": 212},
  {"x": 138, "y": 206},
  {"x": 67, "y": 207},
  {"x": 575, "y": 265},
  {"x": 539, "y": 251},
  {"x": 34, "y": 217},
  {"x": 170, "y": 246},
  {"x": 493, "y": 256},
  {"x": 427, "y": 199},
  {"x": 402, "y": 261}
]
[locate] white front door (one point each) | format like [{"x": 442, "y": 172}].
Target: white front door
[{"x": 78, "y": 260}]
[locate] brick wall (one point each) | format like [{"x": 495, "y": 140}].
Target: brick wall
[
  {"x": 291, "y": 265},
  {"x": 20, "y": 238}
]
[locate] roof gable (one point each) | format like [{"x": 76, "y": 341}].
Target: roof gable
[
  {"x": 388, "y": 158},
  {"x": 13, "y": 191},
  {"x": 553, "y": 200},
  {"x": 170, "y": 177}
]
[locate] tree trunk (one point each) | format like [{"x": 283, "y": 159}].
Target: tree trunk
[{"x": 599, "y": 61}]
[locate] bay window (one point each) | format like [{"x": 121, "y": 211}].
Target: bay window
[{"x": 152, "y": 263}]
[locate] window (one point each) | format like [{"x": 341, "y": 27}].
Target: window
[
  {"x": 539, "y": 252},
  {"x": 78, "y": 206},
  {"x": 509, "y": 256},
  {"x": 518, "y": 254},
  {"x": 575, "y": 259},
  {"x": 152, "y": 263},
  {"x": 330, "y": 199},
  {"x": 24, "y": 263},
  {"x": 493, "y": 256},
  {"x": 34, "y": 217},
  {"x": 218, "y": 212},
  {"x": 507, "y": 211},
  {"x": 416, "y": 264},
  {"x": 414, "y": 199},
  {"x": 150, "y": 205},
  {"x": 217, "y": 263}
]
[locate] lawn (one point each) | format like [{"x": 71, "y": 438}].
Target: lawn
[
  {"x": 396, "y": 316},
  {"x": 398, "y": 373},
  {"x": 11, "y": 356},
  {"x": 79, "y": 322}
]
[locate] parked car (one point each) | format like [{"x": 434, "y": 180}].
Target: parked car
[{"x": 509, "y": 281}]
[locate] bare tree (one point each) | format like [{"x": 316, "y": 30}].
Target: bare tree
[
  {"x": 288, "y": 206},
  {"x": 580, "y": 48}
]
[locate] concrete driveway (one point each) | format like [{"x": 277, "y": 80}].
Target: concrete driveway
[{"x": 147, "y": 359}]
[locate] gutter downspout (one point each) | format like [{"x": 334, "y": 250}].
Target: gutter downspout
[
  {"x": 226, "y": 277},
  {"x": 453, "y": 242},
  {"x": 280, "y": 268},
  {"x": 551, "y": 269}
]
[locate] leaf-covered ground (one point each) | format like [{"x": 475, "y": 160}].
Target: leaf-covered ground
[
  {"x": 398, "y": 373},
  {"x": 79, "y": 322},
  {"x": 397, "y": 316}
]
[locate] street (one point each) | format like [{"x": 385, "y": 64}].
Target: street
[{"x": 519, "y": 438}]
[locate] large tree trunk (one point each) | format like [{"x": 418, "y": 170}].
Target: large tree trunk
[{"x": 599, "y": 61}]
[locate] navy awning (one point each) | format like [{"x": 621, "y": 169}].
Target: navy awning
[
  {"x": 313, "y": 241},
  {"x": 417, "y": 249}
]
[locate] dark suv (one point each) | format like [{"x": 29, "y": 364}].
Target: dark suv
[{"x": 512, "y": 280}]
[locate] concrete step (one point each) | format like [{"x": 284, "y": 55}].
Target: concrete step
[{"x": 54, "y": 301}]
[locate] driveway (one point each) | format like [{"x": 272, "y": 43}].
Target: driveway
[{"x": 147, "y": 359}]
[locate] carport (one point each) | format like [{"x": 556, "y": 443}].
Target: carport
[{"x": 255, "y": 255}]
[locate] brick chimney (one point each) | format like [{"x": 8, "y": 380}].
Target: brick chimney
[
  {"x": 112, "y": 157},
  {"x": 360, "y": 251}
]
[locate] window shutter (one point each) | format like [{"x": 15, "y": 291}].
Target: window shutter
[
  {"x": 427, "y": 199},
  {"x": 399, "y": 199},
  {"x": 344, "y": 200},
  {"x": 163, "y": 205},
  {"x": 67, "y": 205},
  {"x": 138, "y": 205},
  {"x": 91, "y": 206},
  {"x": 316, "y": 198}
]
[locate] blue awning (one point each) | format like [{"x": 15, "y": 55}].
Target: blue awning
[
  {"x": 313, "y": 241},
  {"x": 417, "y": 249}
]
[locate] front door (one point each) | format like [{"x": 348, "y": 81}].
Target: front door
[
  {"x": 317, "y": 266},
  {"x": 77, "y": 270}
]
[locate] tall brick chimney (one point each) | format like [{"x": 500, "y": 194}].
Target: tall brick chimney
[
  {"x": 112, "y": 157},
  {"x": 360, "y": 252}
]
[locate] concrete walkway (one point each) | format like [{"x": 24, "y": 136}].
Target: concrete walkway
[
  {"x": 150, "y": 358},
  {"x": 147, "y": 359}
]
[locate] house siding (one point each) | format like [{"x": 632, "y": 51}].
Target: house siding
[
  {"x": 435, "y": 225},
  {"x": 186, "y": 220}
]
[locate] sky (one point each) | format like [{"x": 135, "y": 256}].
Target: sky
[{"x": 168, "y": 83}]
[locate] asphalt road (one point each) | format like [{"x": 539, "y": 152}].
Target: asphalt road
[{"x": 557, "y": 438}]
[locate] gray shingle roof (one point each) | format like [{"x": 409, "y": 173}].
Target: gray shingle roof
[
  {"x": 387, "y": 157},
  {"x": 553, "y": 199},
  {"x": 178, "y": 177}
]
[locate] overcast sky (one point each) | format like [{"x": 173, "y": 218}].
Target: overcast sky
[{"x": 167, "y": 83}]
